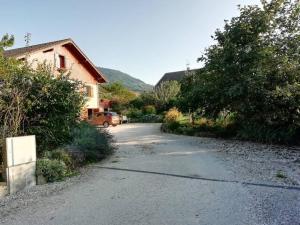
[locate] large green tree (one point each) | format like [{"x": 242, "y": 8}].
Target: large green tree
[
  {"x": 253, "y": 69},
  {"x": 35, "y": 101}
]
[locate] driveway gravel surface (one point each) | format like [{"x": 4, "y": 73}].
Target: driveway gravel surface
[{"x": 163, "y": 179}]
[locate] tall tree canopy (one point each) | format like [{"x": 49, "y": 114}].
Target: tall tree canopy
[
  {"x": 6, "y": 41},
  {"x": 253, "y": 69}
]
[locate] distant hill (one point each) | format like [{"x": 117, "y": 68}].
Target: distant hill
[{"x": 128, "y": 81}]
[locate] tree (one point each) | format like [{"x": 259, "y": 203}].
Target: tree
[
  {"x": 32, "y": 102},
  {"x": 6, "y": 41},
  {"x": 119, "y": 95},
  {"x": 254, "y": 68},
  {"x": 53, "y": 107},
  {"x": 166, "y": 94},
  {"x": 188, "y": 100}
]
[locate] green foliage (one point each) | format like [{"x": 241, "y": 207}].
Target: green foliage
[
  {"x": 162, "y": 97},
  {"x": 149, "y": 109},
  {"x": 6, "y": 41},
  {"x": 165, "y": 95},
  {"x": 144, "y": 99},
  {"x": 62, "y": 155},
  {"x": 119, "y": 95},
  {"x": 32, "y": 102},
  {"x": 134, "y": 113},
  {"x": 253, "y": 70},
  {"x": 94, "y": 143},
  {"x": 255, "y": 132},
  {"x": 171, "y": 127},
  {"x": 148, "y": 118},
  {"x": 51, "y": 169},
  {"x": 222, "y": 127},
  {"x": 173, "y": 115},
  {"x": 280, "y": 174},
  {"x": 54, "y": 106}
]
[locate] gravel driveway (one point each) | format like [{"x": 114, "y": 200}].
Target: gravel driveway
[{"x": 163, "y": 179}]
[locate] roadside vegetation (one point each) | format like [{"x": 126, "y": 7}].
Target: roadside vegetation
[
  {"x": 151, "y": 106},
  {"x": 147, "y": 107},
  {"x": 249, "y": 85},
  {"x": 33, "y": 103}
]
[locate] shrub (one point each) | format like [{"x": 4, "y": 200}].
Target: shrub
[
  {"x": 172, "y": 127},
  {"x": 32, "y": 102},
  {"x": 135, "y": 113},
  {"x": 55, "y": 106},
  {"x": 150, "y": 118},
  {"x": 94, "y": 143},
  {"x": 149, "y": 109},
  {"x": 255, "y": 132},
  {"x": 204, "y": 122},
  {"x": 173, "y": 115},
  {"x": 63, "y": 155},
  {"x": 51, "y": 169}
]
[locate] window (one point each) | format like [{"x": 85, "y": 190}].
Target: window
[
  {"x": 62, "y": 62},
  {"x": 89, "y": 91},
  {"x": 90, "y": 114}
]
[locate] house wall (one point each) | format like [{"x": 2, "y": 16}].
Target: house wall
[{"x": 78, "y": 71}]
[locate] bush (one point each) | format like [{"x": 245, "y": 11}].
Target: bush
[
  {"x": 63, "y": 155},
  {"x": 51, "y": 169},
  {"x": 252, "y": 71},
  {"x": 149, "y": 109},
  {"x": 135, "y": 113},
  {"x": 172, "y": 127},
  {"x": 224, "y": 127},
  {"x": 173, "y": 115},
  {"x": 260, "y": 133},
  {"x": 94, "y": 143},
  {"x": 32, "y": 102},
  {"x": 151, "y": 118}
]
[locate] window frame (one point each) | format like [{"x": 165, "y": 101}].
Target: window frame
[
  {"x": 62, "y": 62},
  {"x": 89, "y": 91}
]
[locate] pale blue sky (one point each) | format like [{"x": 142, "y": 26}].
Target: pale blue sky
[{"x": 145, "y": 38}]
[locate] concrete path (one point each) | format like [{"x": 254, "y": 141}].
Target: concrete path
[{"x": 162, "y": 179}]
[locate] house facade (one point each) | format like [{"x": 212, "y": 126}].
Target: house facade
[{"x": 65, "y": 55}]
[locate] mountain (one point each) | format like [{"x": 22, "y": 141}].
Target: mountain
[{"x": 128, "y": 81}]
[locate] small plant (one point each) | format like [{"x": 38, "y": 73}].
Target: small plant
[
  {"x": 173, "y": 115},
  {"x": 149, "y": 109},
  {"x": 51, "y": 169},
  {"x": 280, "y": 174},
  {"x": 61, "y": 155},
  {"x": 94, "y": 143}
]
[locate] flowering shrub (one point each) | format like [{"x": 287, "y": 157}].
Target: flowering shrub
[{"x": 173, "y": 115}]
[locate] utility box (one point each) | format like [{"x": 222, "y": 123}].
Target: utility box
[{"x": 20, "y": 163}]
